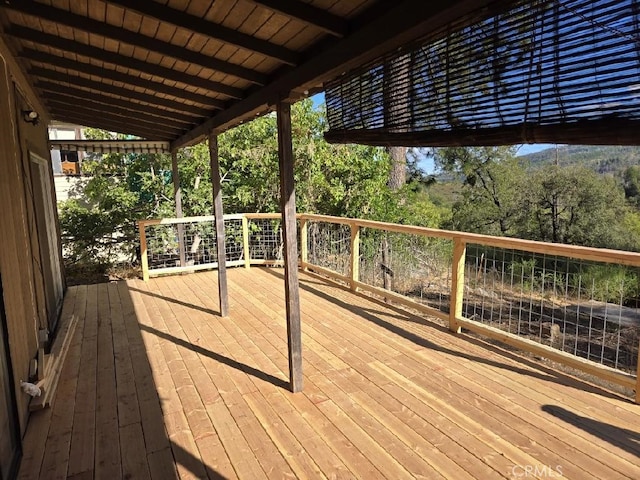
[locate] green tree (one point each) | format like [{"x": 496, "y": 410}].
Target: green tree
[
  {"x": 332, "y": 179},
  {"x": 574, "y": 206},
  {"x": 99, "y": 223},
  {"x": 492, "y": 178},
  {"x": 631, "y": 184},
  {"x": 344, "y": 180}
]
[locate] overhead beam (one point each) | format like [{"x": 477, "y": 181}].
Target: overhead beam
[
  {"x": 58, "y": 91},
  {"x": 401, "y": 24},
  {"x": 223, "y": 291},
  {"x": 306, "y": 13},
  {"x": 113, "y": 111},
  {"x": 92, "y": 118},
  {"x": 113, "y": 75},
  {"x": 209, "y": 29},
  {"x": 38, "y": 73},
  {"x": 93, "y": 122},
  {"x": 86, "y": 24},
  {"x": 289, "y": 228},
  {"x": 89, "y": 51}
]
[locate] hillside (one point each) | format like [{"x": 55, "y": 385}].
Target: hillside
[{"x": 601, "y": 159}]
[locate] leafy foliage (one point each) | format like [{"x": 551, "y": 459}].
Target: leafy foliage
[
  {"x": 343, "y": 180},
  {"x": 572, "y": 205},
  {"x": 490, "y": 199},
  {"x": 607, "y": 283},
  {"x": 99, "y": 224}
]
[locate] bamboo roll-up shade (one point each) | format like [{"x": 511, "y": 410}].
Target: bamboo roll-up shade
[{"x": 539, "y": 71}]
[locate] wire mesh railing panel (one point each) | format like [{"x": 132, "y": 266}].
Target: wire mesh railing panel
[
  {"x": 233, "y": 243},
  {"x": 266, "y": 241},
  {"x": 588, "y": 309},
  {"x": 163, "y": 247},
  {"x": 198, "y": 240},
  {"x": 200, "y": 243},
  {"x": 329, "y": 246},
  {"x": 415, "y": 266}
]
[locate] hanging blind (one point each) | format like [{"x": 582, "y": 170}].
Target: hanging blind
[
  {"x": 540, "y": 71},
  {"x": 111, "y": 146}
]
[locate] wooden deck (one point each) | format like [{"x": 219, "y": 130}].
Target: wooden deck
[{"x": 156, "y": 385}]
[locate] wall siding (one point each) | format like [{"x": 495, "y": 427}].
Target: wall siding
[{"x": 21, "y": 281}]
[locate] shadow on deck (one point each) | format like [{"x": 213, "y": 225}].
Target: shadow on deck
[{"x": 156, "y": 385}]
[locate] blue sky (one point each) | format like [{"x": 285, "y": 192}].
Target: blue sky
[{"x": 533, "y": 148}]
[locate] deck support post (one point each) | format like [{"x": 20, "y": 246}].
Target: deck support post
[
  {"x": 245, "y": 242},
  {"x": 144, "y": 257},
  {"x": 217, "y": 211},
  {"x": 355, "y": 256},
  {"x": 304, "y": 243},
  {"x": 638, "y": 377},
  {"x": 288, "y": 209},
  {"x": 177, "y": 195},
  {"x": 457, "y": 284}
]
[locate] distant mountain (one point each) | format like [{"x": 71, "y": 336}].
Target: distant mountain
[{"x": 601, "y": 159}]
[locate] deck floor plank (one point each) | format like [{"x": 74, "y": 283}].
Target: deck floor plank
[
  {"x": 157, "y": 385},
  {"x": 57, "y": 449},
  {"x": 302, "y": 426},
  {"x": 367, "y": 357},
  {"x": 231, "y": 433},
  {"x": 107, "y": 442},
  {"x": 40, "y": 421},
  {"x": 82, "y": 452},
  {"x": 507, "y": 413},
  {"x": 329, "y": 448},
  {"x": 362, "y": 357}
]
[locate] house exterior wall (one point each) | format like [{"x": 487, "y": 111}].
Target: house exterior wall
[
  {"x": 22, "y": 255},
  {"x": 69, "y": 186},
  {"x": 63, "y": 131}
]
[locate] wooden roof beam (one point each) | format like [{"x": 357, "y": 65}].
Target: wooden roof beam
[
  {"x": 209, "y": 29},
  {"x": 43, "y": 75},
  {"x": 88, "y": 69},
  {"x": 96, "y": 111},
  {"x": 306, "y": 13},
  {"x": 59, "y": 92},
  {"x": 89, "y": 25},
  {"x": 78, "y": 48},
  {"x": 85, "y": 120}
]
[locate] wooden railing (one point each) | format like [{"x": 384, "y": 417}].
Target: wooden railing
[
  {"x": 181, "y": 243},
  {"x": 452, "y": 313}
]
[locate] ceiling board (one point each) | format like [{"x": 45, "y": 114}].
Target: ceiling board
[{"x": 218, "y": 62}]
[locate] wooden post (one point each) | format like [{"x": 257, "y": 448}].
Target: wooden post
[
  {"x": 144, "y": 259},
  {"x": 177, "y": 193},
  {"x": 288, "y": 206},
  {"x": 245, "y": 241},
  {"x": 457, "y": 283},
  {"x": 355, "y": 255},
  {"x": 638, "y": 377},
  {"x": 304, "y": 239},
  {"x": 217, "y": 211}
]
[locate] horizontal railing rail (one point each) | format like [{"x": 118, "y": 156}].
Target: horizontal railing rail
[{"x": 568, "y": 304}]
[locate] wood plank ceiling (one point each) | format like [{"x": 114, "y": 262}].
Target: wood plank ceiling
[{"x": 174, "y": 70}]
